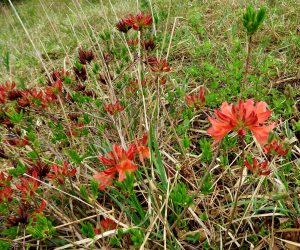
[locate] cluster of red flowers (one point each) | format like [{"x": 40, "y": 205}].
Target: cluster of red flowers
[
  {"x": 136, "y": 22},
  {"x": 5, "y": 189},
  {"x": 16, "y": 139},
  {"x": 32, "y": 97},
  {"x": 121, "y": 161},
  {"x": 105, "y": 225},
  {"x": 258, "y": 168},
  {"x": 158, "y": 65},
  {"x": 28, "y": 186},
  {"x": 113, "y": 109},
  {"x": 75, "y": 128},
  {"x": 275, "y": 148},
  {"x": 61, "y": 172},
  {"x": 242, "y": 117},
  {"x": 85, "y": 56},
  {"x": 134, "y": 85},
  {"x": 196, "y": 101}
]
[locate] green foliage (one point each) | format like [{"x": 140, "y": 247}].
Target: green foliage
[
  {"x": 180, "y": 197},
  {"x": 87, "y": 229},
  {"x": 14, "y": 116},
  {"x": 137, "y": 237},
  {"x": 94, "y": 188},
  {"x": 156, "y": 158},
  {"x": 207, "y": 187},
  {"x": 41, "y": 228},
  {"x": 19, "y": 170},
  {"x": 206, "y": 154},
  {"x": 194, "y": 238},
  {"x": 84, "y": 193},
  {"x": 253, "y": 19},
  {"x": 4, "y": 245}
]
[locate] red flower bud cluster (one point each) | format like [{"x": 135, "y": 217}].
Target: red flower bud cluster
[
  {"x": 137, "y": 22},
  {"x": 61, "y": 172},
  {"x": 158, "y": 65},
  {"x": 28, "y": 186},
  {"x": 113, "y": 109},
  {"x": 196, "y": 101},
  {"x": 259, "y": 168},
  {"x": 105, "y": 225},
  {"x": 275, "y": 148}
]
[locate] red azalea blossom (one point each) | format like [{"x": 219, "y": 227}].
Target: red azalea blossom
[
  {"x": 121, "y": 160},
  {"x": 123, "y": 26},
  {"x": 157, "y": 65},
  {"x": 17, "y": 140},
  {"x": 39, "y": 210},
  {"x": 134, "y": 85},
  {"x": 149, "y": 44},
  {"x": 105, "y": 225},
  {"x": 259, "y": 168},
  {"x": 139, "y": 21},
  {"x": 85, "y": 56},
  {"x": 275, "y": 147},
  {"x": 75, "y": 129},
  {"x": 105, "y": 177},
  {"x": 33, "y": 98},
  {"x": 2, "y": 97},
  {"x": 242, "y": 117},
  {"x": 5, "y": 181},
  {"x": 133, "y": 42},
  {"x": 141, "y": 148},
  {"x": 60, "y": 173},
  {"x": 58, "y": 75},
  {"x": 8, "y": 86},
  {"x": 108, "y": 224},
  {"x": 113, "y": 108},
  {"x": 6, "y": 194},
  {"x": 196, "y": 101},
  {"x": 28, "y": 186},
  {"x": 54, "y": 89}
]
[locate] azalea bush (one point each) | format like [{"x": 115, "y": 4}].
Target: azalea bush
[{"x": 123, "y": 147}]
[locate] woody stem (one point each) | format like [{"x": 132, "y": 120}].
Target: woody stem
[{"x": 246, "y": 72}]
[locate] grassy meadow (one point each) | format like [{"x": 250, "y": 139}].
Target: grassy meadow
[{"x": 149, "y": 124}]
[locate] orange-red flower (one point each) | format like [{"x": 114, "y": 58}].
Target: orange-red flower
[
  {"x": 6, "y": 194},
  {"x": 242, "y": 117},
  {"x": 133, "y": 42},
  {"x": 85, "y": 56},
  {"x": 157, "y": 65},
  {"x": 259, "y": 168},
  {"x": 141, "y": 148},
  {"x": 5, "y": 180},
  {"x": 123, "y": 26},
  {"x": 2, "y": 97},
  {"x": 275, "y": 147},
  {"x": 105, "y": 177},
  {"x": 28, "y": 186},
  {"x": 105, "y": 224},
  {"x": 121, "y": 160},
  {"x": 138, "y": 21},
  {"x": 60, "y": 173},
  {"x": 196, "y": 101},
  {"x": 113, "y": 108}
]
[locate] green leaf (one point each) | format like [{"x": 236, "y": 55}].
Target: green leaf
[
  {"x": 84, "y": 193},
  {"x": 87, "y": 229},
  {"x": 95, "y": 189},
  {"x": 19, "y": 170},
  {"x": 156, "y": 158}
]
